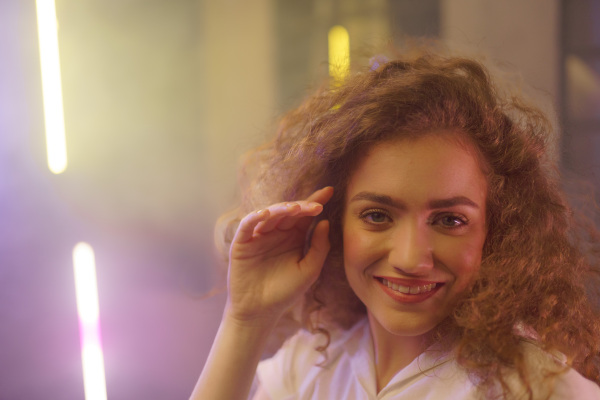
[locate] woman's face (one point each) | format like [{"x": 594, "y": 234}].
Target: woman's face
[{"x": 413, "y": 229}]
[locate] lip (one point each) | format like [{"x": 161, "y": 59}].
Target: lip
[{"x": 406, "y": 297}]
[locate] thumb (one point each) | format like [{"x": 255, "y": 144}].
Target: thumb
[{"x": 312, "y": 263}]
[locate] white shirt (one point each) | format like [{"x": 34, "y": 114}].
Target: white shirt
[{"x": 298, "y": 371}]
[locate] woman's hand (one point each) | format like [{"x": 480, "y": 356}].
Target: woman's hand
[
  {"x": 268, "y": 273},
  {"x": 268, "y": 270}
]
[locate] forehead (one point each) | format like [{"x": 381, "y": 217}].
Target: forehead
[{"x": 438, "y": 164}]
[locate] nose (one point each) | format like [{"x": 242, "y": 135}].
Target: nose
[{"x": 411, "y": 249}]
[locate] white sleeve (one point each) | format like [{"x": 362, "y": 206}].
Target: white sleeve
[
  {"x": 568, "y": 383},
  {"x": 281, "y": 375},
  {"x": 274, "y": 374},
  {"x": 572, "y": 385}
]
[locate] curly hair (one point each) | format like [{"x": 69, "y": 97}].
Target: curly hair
[{"x": 535, "y": 266}]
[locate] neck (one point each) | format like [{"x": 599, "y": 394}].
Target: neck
[{"x": 393, "y": 352}]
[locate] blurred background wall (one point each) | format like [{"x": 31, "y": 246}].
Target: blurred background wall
[{"x": 161, "y": 97}]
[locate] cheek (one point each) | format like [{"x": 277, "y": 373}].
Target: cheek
[
  {"x": 358, "y": 253},
  {"x": 352, "y": 243},
  {"x": 463, "y": 259},
  {"x": 358, "y": 244}
]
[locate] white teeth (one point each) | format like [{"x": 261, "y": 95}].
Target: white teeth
[
  {"x": 403, "y": 289},
  {"x": 409, "y": 289}
]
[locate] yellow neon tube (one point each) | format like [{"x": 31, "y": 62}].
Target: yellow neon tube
[
  {"x": 51, "y": 86},
  {"x": 339, "y": 53}
]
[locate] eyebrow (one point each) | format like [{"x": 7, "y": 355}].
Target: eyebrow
[{"x": 433, "y": 204}]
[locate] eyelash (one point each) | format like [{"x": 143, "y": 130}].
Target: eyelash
[
  {"x": 462, "y": 221},
  {"x": 370, "y": 212}
]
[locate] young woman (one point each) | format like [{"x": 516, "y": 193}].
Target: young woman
[{"x": 412, "y": 222}]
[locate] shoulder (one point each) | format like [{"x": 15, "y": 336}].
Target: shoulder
[
  {"x": 551, "y": 377},
  {"x": 298, "y": 361}
]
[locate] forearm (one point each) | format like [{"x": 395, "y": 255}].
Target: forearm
[{"x": 231, "y": 364}]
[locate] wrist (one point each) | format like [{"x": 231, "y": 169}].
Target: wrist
[
  {"x": 264, "y": 322},
  {"x": 236, "y": 351}
]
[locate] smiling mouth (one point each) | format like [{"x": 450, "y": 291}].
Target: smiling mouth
[{"x": 408, "y": 289}]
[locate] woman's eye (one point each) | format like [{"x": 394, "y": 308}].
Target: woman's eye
[
  {"x": 375, "y": 217},
  {"x": 451, "y": 221}
]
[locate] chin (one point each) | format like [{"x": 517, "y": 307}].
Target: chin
[
  {"x": 403, "y": 326},
  {"x": 411, "y": 331}
]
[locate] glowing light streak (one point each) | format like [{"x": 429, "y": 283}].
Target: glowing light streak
[
  {"x": 339, "y": 53},
  {"x": 51, "y": 86},
  {"x": 86, "y": 290}
]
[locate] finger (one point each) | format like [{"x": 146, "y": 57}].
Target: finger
[
  {"x": 245, "y": 230},
  {"x": 312, "y": 263},
  {"x": 288, "y": 223},
  {"x": 307, "y": 212},
  {"x": 322, "y": 195},
  {"x": 277, "y": 213},
  {"x": 291, "y": 212}
]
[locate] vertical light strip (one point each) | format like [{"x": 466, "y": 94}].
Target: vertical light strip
[
  {"x": 339, "y": 53},
  {"x": 86, "y": 290},
  {"x": 51, "y": 86}
]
